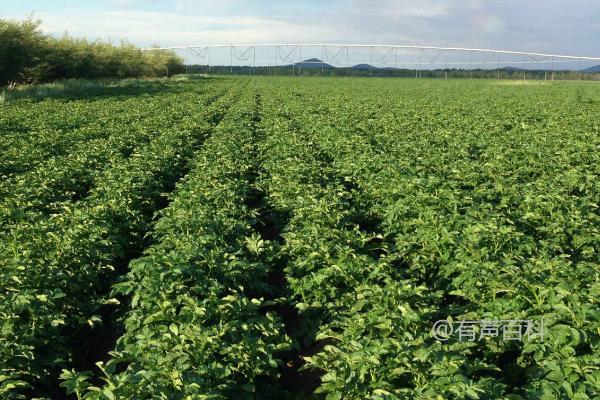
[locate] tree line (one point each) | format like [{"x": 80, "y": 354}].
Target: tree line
[
  {"x": 27, "y": 55},
  {"x": 502, "y": 73}
]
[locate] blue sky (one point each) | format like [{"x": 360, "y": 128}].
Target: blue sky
[{"x": 555, "y": 26}]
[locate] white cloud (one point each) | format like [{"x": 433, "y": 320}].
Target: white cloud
[
  {"x": 404, "y": 8},
  {"x": 509, "y": 24},
  {"x": 169, "y": 29},
  {"x": 421, "y": 9}
]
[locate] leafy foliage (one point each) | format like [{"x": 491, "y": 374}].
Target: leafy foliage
[
  {"x": 194, "y": 330},
  {"x": 245, "y": 232},
  {"x": 405, "y": 214},
  {"x": 28, "y": 56},
  {"x": 58, "y": 264}
]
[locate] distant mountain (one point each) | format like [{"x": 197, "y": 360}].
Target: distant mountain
[
  {"x": 312, "y": 63},
  {"x": 592, "y": 69},
  {"x": 363, "y": 67},
  {"x": 317, "y": 63}
]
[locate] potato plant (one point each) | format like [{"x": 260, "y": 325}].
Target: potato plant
[{"x": 298, "y": 238}]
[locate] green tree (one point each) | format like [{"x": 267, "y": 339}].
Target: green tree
[
  {"x": 28, "y": 56},
  {"x": 21, "y": 50}
]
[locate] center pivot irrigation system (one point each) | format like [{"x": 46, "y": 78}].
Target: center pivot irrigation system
[{"x": 377, "y": 57}]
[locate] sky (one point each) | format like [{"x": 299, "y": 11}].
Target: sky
[{"x": 553, "y": 26}]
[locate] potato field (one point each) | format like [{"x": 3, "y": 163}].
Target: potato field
[{"x": 299, "y": 238}]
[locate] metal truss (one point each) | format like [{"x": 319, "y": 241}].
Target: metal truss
[{"x": 386, "y": 55}]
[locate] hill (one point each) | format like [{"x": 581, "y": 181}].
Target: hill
[
  {"x": 592, "y": 69},
  {"x": 363, "y": 66},
  {"x": 312, "y": 63}
]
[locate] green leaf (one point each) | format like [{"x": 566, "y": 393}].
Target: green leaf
[{"x": 42, "y": 297}]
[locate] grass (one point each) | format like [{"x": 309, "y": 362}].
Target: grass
[
  {"x": 78, "y": 88},
  {"x": 81, "y": 88}
]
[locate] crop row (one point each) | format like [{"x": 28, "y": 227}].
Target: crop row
[
  {"x": 44, "y": 190},
  {"x": 56, "y": 273},
  {"x": 51, "y": 128},
  {"x": 515, "y": 238},
  {"x": 194, "y": 329},
  {"x": 314, "y": 234},
  {"x": 497, "y": 226},
  {"x": 335, "y": 271}
]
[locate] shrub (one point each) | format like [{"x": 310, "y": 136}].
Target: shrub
[{"x": 29, "y": 56}]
